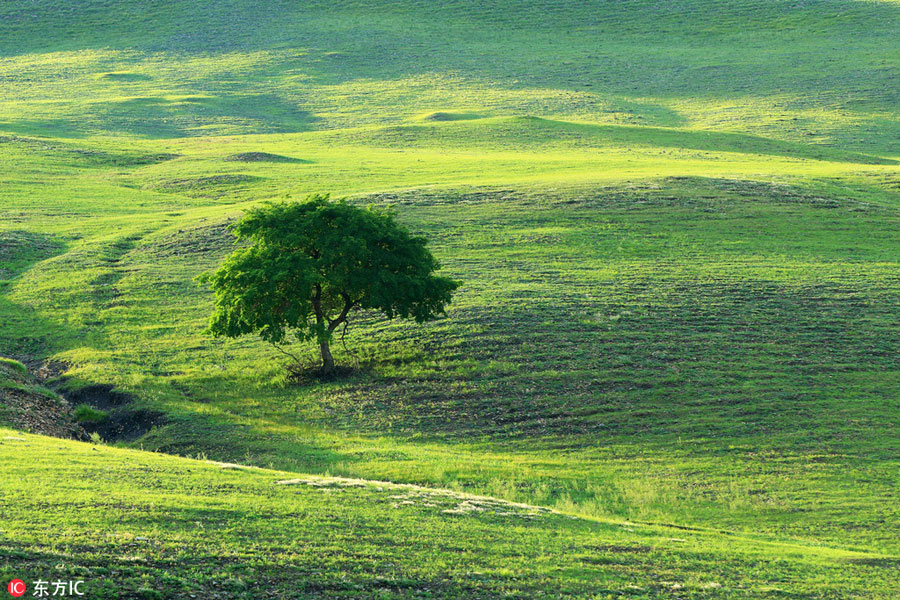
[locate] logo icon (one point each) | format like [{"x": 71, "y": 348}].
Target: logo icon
[{"x": 16, "y": 588}]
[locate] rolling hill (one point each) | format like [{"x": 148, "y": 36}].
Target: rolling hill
[{"x": 671, "y": 371}]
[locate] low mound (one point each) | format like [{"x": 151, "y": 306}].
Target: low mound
[
  {"x": 210, "y": 186},
  {"x": 451, "y": 116},
  {"x": 95, "y": 158},
  {"x": 125, "y": 76},
  {"x": 212, "y": 239},
  {"x": 27, "y": 405},
  {"x": 461, "y": 132},
  {"x": 262, "y": 157}
]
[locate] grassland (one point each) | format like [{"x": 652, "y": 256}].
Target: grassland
[
  {"x": 143, "y": 525},
  {"x": 676, "y": 224}
]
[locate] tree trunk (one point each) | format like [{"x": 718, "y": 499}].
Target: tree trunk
[{"x": 327, "y": 358}]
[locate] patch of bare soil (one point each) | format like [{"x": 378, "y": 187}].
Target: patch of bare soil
[
  {"x": 40, "y": 414},
  {"x": 123, "y": 422},
  {"x": 28, "y": 406}
]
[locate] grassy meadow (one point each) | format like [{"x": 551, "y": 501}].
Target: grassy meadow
[{"x": 671, "y": 370}]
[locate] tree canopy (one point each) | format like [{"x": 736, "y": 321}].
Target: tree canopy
[{"x": 310, "y": 265}]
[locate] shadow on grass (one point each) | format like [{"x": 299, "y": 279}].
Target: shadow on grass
[
  {"x": 24, "y": 334},
  {"x": 159, "y": 117},
  {"x": 524, "y": 130}
]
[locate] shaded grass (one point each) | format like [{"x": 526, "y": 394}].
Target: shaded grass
[{"x": 812, "y": 72}]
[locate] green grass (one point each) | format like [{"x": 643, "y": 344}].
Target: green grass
[
  {"x": 815, "y": 71},
  {"x": 676, "y": 225},
  {"x": 85, "y": 413},
  {"x": 13, "y": 366},
  {"x": 143, "y": 525}
]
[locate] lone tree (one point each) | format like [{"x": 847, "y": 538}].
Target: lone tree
[{"x": 311, "y": 264}]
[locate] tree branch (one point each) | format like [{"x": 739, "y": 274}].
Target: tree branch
[
  {"x": 285, "y": 352},
  {"x": 341, "y": 318}
]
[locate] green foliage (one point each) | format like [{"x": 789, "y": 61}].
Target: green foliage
[{"x": 312, "y": 264}]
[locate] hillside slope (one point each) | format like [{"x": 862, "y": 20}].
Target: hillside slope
[
  {"x": 676, "y": 225},
  {"x": 806, "y": 71},
  {"x": 216, "y": 531}
]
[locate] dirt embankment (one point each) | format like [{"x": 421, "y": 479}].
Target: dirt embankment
[
  {"x": 27, "y": 405},
  {"x": 119, "y": 420}
]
